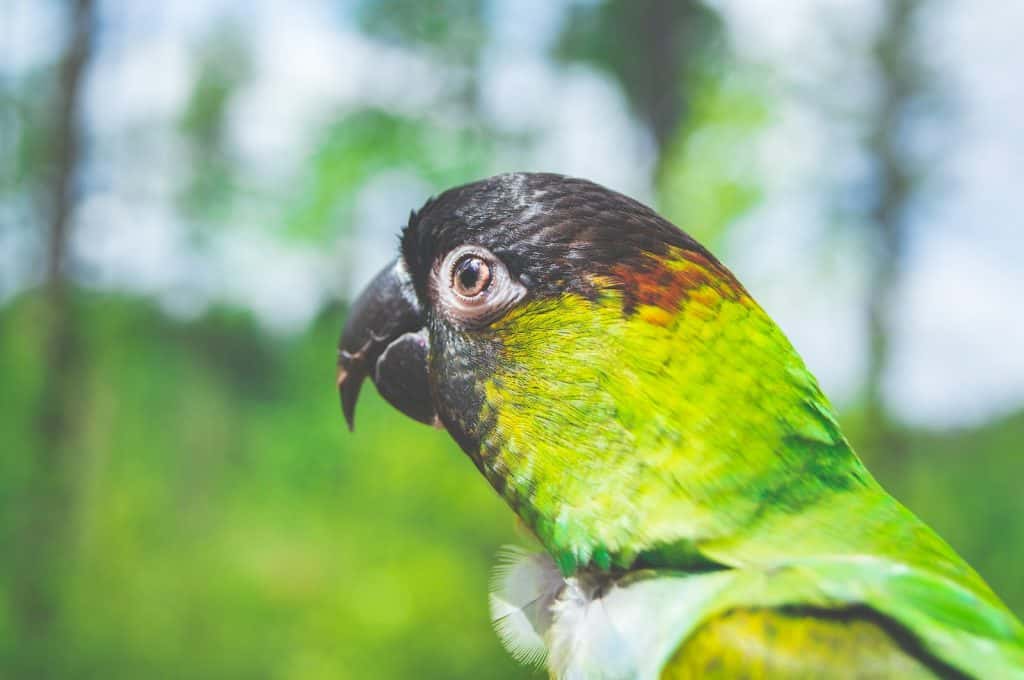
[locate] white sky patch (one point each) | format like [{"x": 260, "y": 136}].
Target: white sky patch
[
  {"x": 807, "y": 41},
  {"x": 382, "y": 210},
  {"x": 137, "y": 82},
  {"x": 311, "y": 69},
  {"x": 529, "y": 27},
  {"x": 968, "y": 309},
  {"x": 302, "y": 73},
  {"x": 292, "y": 283},
  {"x": 131, "y": 245},
  {"x": 21, "y": 249},
  {"x": 32, "y": 33},
  {"x": 142, "y": 248},
  {"x": 578, "y": 117},
  {"x": 958, "y": 355}
]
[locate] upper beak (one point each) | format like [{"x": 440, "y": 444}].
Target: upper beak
[{"x": 385, "y": 338}]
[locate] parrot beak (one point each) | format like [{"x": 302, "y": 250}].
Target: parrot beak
[{"x": 385, "y": 338}]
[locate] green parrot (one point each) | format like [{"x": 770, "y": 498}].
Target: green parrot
[{"x": 700, "y": 511}]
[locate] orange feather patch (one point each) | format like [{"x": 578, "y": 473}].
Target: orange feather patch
[{"x": 665, "y": 283}]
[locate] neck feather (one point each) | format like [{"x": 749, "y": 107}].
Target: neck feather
[{"x": 664, "y": 412}]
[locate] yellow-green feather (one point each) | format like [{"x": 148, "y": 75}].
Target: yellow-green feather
[
  {"x": 684, "y": 432},
  {"x": 612, "y": 433},
  {"x": 766, "y": 643}
]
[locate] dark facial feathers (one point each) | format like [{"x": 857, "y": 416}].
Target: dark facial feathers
[{"x": 552, "y": 231}]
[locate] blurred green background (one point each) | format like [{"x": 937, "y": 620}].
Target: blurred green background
[{"x": 190, "y": 192}]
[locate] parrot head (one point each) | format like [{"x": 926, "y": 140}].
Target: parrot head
[{"x": 609, "y": 377}]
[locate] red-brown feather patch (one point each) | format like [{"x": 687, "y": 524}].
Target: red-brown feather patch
[{"x": 667, "y": 282}]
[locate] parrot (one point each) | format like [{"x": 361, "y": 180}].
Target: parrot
[{"x": 698, "y": 511}]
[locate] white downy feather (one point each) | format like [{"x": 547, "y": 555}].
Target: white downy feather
[
  {"x": 524, "y": 585},
  {"x": 588, "y": 627}
]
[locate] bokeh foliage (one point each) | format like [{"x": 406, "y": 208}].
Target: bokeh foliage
[
  {"x": 222, "y": 523},
  {"x": 230, "y": 527}
]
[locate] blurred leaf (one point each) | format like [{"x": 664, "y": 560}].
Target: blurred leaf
[
  {"x": 223, "y": 67},
  {"x": 25, "y": 134},
  {"x": 367, "y": 142},
  {"x": 708, "y": 176},
  {"x": 231, "y": 530},
  {"x": 454, "y": 27}
]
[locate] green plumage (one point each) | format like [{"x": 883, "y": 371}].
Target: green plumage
[
  {"x": 796, "y": 644},
  {"x": 700, "y": 441},
  {"x": 700, "y": 511}
]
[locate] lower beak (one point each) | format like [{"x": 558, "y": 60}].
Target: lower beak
[{"x": 385, "y": 339}]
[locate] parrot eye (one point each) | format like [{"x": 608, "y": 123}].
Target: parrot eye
[
  {"x": 471, "y": 276},
  {"x": 474, "y": 287}
]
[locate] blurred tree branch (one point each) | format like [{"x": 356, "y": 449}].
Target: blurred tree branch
[
  {"x": 224, "y": 68},
  {"x": 657, "y": 49},
  {"x": 895, "y": 179},
  {"x": 47, "y": 525}
]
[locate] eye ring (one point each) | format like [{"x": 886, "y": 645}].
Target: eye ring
[
  {"x": 470, "y": 276},
  {"x": 473, "y": 287}
]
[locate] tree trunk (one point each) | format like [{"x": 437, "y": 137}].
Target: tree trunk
[
  {"x": 47, "y": 525},
  {"x": 674, "y": 35},
  {"x": 895, "y": 180}
]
